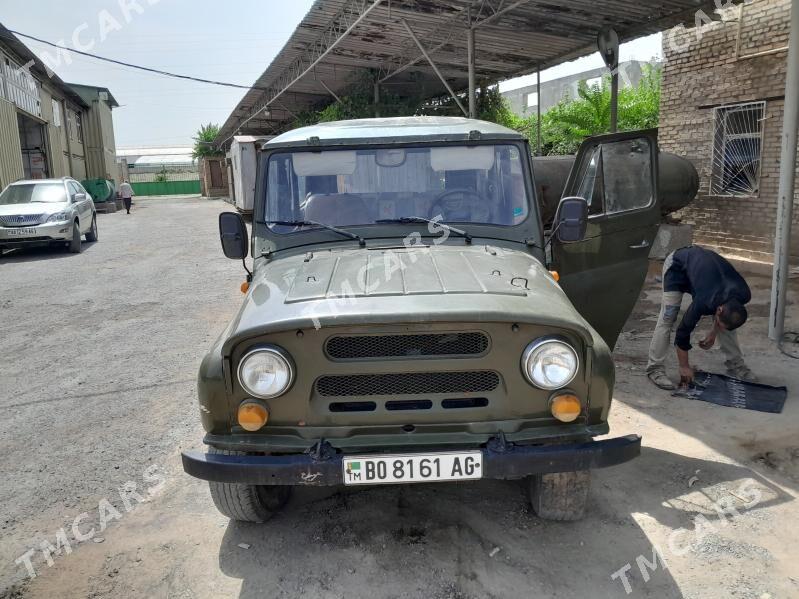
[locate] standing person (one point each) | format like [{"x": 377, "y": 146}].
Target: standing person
[
  {"x": 126, "y": 191},
  {"x": 717, "y": 290}
]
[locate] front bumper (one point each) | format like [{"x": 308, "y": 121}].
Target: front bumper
[
  {"x": 324, "y": 467},
  {"x": 44, "y": 234}
]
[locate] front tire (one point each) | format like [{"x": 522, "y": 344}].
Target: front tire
[
  {"x": 75, "y": 245},
  {"x": 560, "y": 496},
  {"x": 91, "y": 234},
  {"x": 247, "y": 503}
]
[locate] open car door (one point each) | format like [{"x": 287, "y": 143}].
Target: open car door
[{"x": 603, "y": 274}]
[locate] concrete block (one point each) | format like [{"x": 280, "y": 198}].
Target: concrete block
[{"x": 669, "y": 239}]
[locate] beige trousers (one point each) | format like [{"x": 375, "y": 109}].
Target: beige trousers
[{"x": 661, "y": 338}]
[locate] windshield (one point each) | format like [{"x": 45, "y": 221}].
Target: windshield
[
  {"x": 26, "y": 193},
  {"x": 480, "y": 184}
]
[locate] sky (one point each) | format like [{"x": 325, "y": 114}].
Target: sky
[{"x": 231, "y": 41}]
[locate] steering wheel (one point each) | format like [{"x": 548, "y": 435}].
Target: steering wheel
[{"x": 461, "y": 205}]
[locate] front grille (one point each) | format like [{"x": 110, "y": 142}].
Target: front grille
[
  {"x": 408, "y": 404},
  {"x": 20, "y": 239},
  {"x": 466, "y": 402},
  {"x": 355, "y": 347},
  {"x": 407, "y": 383},
  {"x": 353, "y": 406},
  {"x": 21, "y": 220}
]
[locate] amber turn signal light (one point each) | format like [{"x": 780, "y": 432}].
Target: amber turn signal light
[
  {"x": 566, "y": 407},
  {"x": 245, "y": 286},
  {"x": 252, "y": 415},
  {"x": 555, "y": 275}
]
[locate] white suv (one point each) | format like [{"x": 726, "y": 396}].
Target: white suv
[{"x": 45, "y": 212}]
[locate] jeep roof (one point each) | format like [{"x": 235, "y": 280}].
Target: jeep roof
[{"x": 393, "y": 130}]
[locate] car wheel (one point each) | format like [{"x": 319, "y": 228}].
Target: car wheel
[
  {"x": 561, "y": 495},
  {"x": 75, "y": 246},
  {"x": 91, "y": 234},
  {"x": 247, "y": 503}
]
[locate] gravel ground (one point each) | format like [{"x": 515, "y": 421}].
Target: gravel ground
[
  {"x": 98, "y": 363},
  {"x": 99, "y": 360}
]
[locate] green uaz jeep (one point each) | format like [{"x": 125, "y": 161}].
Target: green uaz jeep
[{"x": 410, "y": 317}]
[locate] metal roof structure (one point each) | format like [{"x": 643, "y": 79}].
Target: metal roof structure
[
  {"x": 416, "y": 48},
  {"x": 89, "y": 92},
  {"x": 36, "y": 66}
]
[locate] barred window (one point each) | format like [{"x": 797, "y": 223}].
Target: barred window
[{"x": 737, "y": 146}]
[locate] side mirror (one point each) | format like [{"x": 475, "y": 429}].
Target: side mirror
[
  {"x": 571, "y": 219},
  {"x": 79, "y": 197},
  {"x": 233, "y": 235}
]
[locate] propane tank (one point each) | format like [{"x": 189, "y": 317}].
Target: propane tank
[{"x": 678, "y": 182}]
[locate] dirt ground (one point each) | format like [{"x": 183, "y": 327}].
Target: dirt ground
[{"x": 98, "y": 360}]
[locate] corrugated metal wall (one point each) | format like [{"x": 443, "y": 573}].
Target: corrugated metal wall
[
  {"x": 10, "y": 148},
  {"x": 55, "y": 149},
  {"x": 98, "y": 133},
  {"x": 93, "y": 143}
]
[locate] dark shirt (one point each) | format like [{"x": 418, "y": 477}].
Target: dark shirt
[{"x": 711, "y": 281}]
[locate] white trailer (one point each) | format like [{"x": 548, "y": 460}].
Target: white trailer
[{"x": 244, "y": 164}]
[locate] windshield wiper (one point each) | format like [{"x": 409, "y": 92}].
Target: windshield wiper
[
  {"x": 312, "y": 223},
  {"x": 420, "y": 219}
]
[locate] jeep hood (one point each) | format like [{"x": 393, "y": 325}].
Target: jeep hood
[{"x": 346, "y": 287}]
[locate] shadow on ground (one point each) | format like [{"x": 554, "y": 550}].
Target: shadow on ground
[
  {"x": 758, "y": 438},
  {"x": 478, "y": 539},
  {"x": 35, "y": 254}
]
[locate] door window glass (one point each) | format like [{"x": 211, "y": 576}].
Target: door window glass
[
  {"x": 589, "y": 185},
  {"x": 627, "y": 175}
]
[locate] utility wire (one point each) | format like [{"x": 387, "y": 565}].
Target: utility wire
[{"x": 139, "y": 67}]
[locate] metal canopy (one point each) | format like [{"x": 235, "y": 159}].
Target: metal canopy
[{"x": 341, "y": 41}]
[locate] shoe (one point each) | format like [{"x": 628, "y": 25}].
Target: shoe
[
  {"x": 742, "y": 373},
  {"x": 660, "y": 379}
]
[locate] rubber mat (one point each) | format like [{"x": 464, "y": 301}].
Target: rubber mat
[{"x": 726, "y": 391}]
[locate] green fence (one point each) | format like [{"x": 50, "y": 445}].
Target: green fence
[{"x": 166, "y": 188}]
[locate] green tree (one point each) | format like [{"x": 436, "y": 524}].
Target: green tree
[
  {"x": 564, "y": 126},
  {"x": 203, "y": 141}
]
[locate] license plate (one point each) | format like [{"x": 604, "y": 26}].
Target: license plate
[
  {"x": 22, "y": 232},
  {"x": 415, "y": 468}
]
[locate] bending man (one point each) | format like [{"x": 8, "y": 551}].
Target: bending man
[{"x": 717, "y": 290}]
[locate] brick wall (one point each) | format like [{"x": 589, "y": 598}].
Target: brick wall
[{"x": 701, "y": 71}]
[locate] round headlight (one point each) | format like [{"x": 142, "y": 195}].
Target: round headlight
[
  {"x": 550, "y": 364},
  {"x": 265, "y": 372}
]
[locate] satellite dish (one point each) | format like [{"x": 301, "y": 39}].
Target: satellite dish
[{"x": 607, "y": 40}]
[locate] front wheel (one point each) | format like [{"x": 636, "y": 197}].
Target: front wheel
[
  {"x": 91, "y": 234},
  {"x": 75, "y": 245},
  {"x": 247, "y": 503},
  {"x": 561, "y": 495}
]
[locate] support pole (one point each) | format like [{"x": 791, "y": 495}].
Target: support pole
[
  {"x": 614, "y": 100},
  {"x": 538, "y": 109},
  {"x": 377, "y": 99},
  {"x": 470, "y": 58},
  {"x": 785, "y": 198},
  {"x": 330, "y": 91},
  {"x": 435, "y": 68}
]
